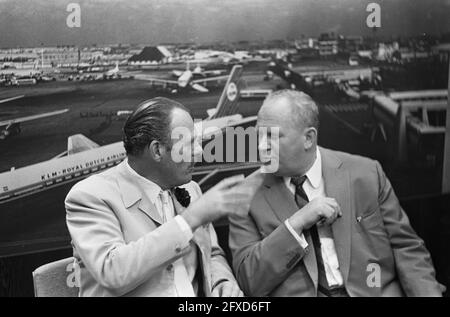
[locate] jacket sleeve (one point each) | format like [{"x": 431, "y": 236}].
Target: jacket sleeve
[
  {"x": 97, "y": 237},
  {"x": 220, "y": 270},
  {"x": 261, "y": 263},
  {"x": 413, "y": 262}
]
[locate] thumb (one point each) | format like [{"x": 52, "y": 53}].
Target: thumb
[
  {"x": 230, "y": 182},
  {"x": 215, "y": 292}
]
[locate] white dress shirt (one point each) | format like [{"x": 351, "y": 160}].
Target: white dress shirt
[
  {"x": 184, "y": 268},
  {"x": 314, "y": 187}
]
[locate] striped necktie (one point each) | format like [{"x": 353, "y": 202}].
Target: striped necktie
[{"x": 302, "y": 199}]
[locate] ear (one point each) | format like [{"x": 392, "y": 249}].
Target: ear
[
  {"x": 155, "y": 150},
  {"x": 310, "y": 138}
]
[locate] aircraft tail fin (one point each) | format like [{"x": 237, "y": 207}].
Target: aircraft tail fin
[
  {"x": 79, "y": 143},
  {"x": 228, "y": 102}
]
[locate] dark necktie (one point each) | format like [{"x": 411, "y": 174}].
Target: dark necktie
[{"x": 302, "y": 199}]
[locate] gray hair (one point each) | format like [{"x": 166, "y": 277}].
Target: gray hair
[{"x": 307, "y": 112}]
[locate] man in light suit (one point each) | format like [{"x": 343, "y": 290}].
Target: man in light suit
[
  {"x": 143, "y": 228},
  {"x": 326, "y": 223}
]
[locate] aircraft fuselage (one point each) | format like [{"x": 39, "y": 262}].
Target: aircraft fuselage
[{"x": 185, "y": 79}]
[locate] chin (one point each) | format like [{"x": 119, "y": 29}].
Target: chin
[
  {"x": 282, "y": 173},
  {"x": 186, "y": 179}
]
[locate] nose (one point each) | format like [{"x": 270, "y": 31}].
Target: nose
[
  {"x": 198, "y": 151},
  {"x": 263, "y": 143}
]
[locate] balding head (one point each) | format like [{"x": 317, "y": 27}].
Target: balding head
[
  {"x": 295, "y": 106},
  {"x": 296, "y": 117}
]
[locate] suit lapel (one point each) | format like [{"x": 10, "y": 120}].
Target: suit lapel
[
  {"x": 150, "y": 210},
  {"x": 283, "y": 204},
  {"x": 337, "y": 186},
  {"x": 279, "y": 198},
  {"x": 132, "y": 193}
]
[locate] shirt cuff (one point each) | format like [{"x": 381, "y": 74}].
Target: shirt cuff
[
  {"x": 185, "y": 228},
  {"x": 300, "y": 238}
]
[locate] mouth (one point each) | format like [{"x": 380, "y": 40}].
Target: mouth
[{"x": 265, "y": 161}]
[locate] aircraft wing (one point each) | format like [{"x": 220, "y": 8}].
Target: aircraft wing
[
  {"x": 33, "y": 117},
  {"x": 155, "y": 80},
  {"x": 199, "y": 87},
  {"x": 177, "y": 73},
  {"x": 11, "y": 99},
  {"x": 204, "y": 80}
]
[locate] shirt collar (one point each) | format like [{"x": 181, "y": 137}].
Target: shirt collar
[
  {"x": 314, "y": 174},
  {"x": 151, "y": 189}
]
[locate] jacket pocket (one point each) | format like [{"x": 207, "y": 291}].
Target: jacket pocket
[{"x": 370, "y": 221}]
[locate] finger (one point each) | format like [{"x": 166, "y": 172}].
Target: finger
[
  {"x": 252, "y": 183},
  {"x": 321, "y": 222},
  {"x": 326, "y": 214},
  {"x": 335, "y": 205},
  {"x": 215, "y": 292},
  {"x": 328, "y": 221},
  {"x": 227, "y": 290},
  {"x": 237, "y": 201},
  {"x": 230, "y": 182},
  {"x": 339, "y": 211},
  {"x": 329, "y": 215},
  {"x": 331, "y": 202},
  {"x": 239, "y": 210},
  {"x": 235, "y": 195},
  {"x": 332, "y": 218},
  {"x": 233, "y": 190},
  {"x": 327, "y": 211}
]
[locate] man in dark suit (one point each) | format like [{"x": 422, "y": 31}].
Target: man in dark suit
[{"x": 326, "y": 223}]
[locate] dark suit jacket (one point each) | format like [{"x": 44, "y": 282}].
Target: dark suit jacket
[{"x": 373, "y": 233}]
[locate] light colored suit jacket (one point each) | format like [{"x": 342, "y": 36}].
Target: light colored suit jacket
[
  {"x": 121, "y": 245},
  {"x": 373, "y": 236}
]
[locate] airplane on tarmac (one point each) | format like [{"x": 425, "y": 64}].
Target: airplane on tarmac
[
  {"x": 186, "y": 79},
  {"x": 84, "y": 157},
  {"x": 199, "y": 71},
  {"x": 98, "y": 73},
  {"x": 19, "y": 72},
  {"x": 112, "y": 73},
  {"x": 12, "y": 126}
]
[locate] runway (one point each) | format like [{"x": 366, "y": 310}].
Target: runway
[{"x": 43, "y": 139}]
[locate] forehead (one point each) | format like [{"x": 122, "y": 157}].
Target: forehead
[
  {"x": 181, "y": 118},
  {"x": 276, "y": 113}
]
